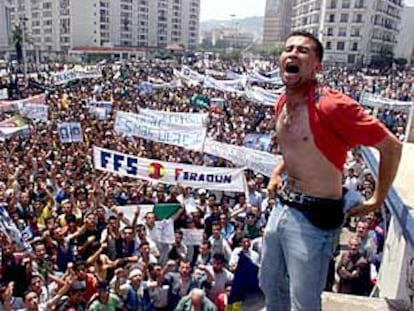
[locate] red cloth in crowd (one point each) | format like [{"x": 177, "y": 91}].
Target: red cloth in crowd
[{"x": 221, "y": 302}]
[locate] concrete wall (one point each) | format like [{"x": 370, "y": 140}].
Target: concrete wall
[
  {"x": 84, "y": 23},
  {"x": 5, "y": 27},
  {"x": 405, "y": 38}
]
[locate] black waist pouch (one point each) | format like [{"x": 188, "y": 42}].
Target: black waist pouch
[{"x": 324, "y": 214}]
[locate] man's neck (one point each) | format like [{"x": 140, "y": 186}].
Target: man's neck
[{"x": 298, "y": 93}]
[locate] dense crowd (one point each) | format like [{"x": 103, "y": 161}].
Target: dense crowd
[{"x": 85, "y": 254}]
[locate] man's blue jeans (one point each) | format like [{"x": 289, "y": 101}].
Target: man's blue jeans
[{"x": 295, "y": 260}]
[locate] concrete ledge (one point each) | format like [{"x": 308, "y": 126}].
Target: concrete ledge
[{"x": 339, "y": 302}]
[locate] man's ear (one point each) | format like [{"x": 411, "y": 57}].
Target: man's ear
[{"x": 318, "y": 67}]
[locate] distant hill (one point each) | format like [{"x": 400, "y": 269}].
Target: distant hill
[{"x": 252, "y": 24}]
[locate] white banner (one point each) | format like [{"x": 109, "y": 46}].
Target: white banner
[
  {"x": 193, "y": 236},
  {"x": 258, "y": 161},
  {"x": 190, "y": 74},
  {"x": 13, "y": 105},
  {"x": 376, "y": 101},
  {"x": 165, "y": 118},
  {"x": 254, "y": 76},
  {"x": 233, "y": 75},
  {"x": 217, "y": 73},
  {"x": 131, "y": 124},
  {"x": 210, "y": 82},
  {"x": 69, "y": 75},
  {"x": 213, "y": 178},
  {"x": 167, "y": 85},
  {"x": 34, "y": 111},
  {"x": 70, "y": 132},
  {"x": 4, "y": 93},
  {"x": 261, "y": 96}
]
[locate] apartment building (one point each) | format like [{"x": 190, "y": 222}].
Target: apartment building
[
  {"x": 352, "y": 31},
  {"x": 57, "y": 26},
  {"x": 405, "y": 39},
  {"x": 277, "y": 21},
  {"x": 5, "y": 26}
]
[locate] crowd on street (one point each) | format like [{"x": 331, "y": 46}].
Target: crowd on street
[{"x": 80, "y": 250}]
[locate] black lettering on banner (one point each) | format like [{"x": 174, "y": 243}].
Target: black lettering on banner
[
  {"x": 193, "y": 177},
  {"x": 227, "y": 179}
]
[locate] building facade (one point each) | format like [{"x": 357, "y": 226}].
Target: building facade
[
  {"x": 57, "y": 26},
  {"x": 5, "y": 26},
  {"x": 405, "y": 39},
  {"x": 352, "y": 31},
  {"x": 277, "y": 21}
]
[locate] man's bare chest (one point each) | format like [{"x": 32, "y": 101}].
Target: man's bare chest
[{"x": 293, "y": 126}]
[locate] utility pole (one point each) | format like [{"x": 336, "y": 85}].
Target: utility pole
[
  {"x": 233, "y": 30},
  {"x": 23, "y": 30}
]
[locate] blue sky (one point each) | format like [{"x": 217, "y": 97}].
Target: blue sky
[{"x": 223, "y": 9}]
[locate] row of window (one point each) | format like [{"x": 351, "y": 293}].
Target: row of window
[
  {"x": 342, "y": 32},
  {"x": 346, "y": 4},
  {"x": 345, "y": 18},
  {"x": 340, "y": 46}
]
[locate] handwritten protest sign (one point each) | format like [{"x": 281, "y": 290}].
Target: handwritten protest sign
[{"x": 192, "y": 236}]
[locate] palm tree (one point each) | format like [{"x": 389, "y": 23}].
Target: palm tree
[{"x": 17, "y": 35}]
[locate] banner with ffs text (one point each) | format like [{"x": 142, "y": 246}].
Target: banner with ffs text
[
  {"x": 212, "y": 178},
  {"x": 159, "y": 130},
  {"x": 258, "y": 161}
]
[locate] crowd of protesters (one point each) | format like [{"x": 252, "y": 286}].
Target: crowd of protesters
[{"x": 86, "y": 255}]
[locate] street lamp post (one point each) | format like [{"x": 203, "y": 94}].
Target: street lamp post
[
  {"x": 23, "y": 29},
  {"x": 233, "y": 31}
]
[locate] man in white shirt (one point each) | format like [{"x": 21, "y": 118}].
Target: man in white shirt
[{"x": 247, "y": 250}]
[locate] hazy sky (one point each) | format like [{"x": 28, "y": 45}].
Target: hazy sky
[{"x": 222, "y": 9}]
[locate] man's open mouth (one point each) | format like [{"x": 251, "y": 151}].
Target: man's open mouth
[{"x": 292, "y": 68}]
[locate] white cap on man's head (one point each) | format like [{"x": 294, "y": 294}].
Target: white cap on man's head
[{"x": 134, "y": 273}]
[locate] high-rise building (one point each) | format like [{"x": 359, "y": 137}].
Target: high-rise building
[
  {"x": 405, "y": 45},
  {"x": 352, "y": 31},
  {"x": 277, "y": 21},
  {"x": 5, "y": 26},
  {"x": 57, "y": 26}
]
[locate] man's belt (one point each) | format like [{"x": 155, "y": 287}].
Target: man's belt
[
  {"x": 289, "y": 197},
  {"x": 326, "y": 214}
]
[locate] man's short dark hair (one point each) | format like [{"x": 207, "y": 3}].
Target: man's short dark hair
[
  {"x": 207, "y": 243},
  {"x": 144, "y": 243},
  {"x": 80, "y": 264},
  {"x": 318, "y": 45},
  {"x": 219, "y": 257}
]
